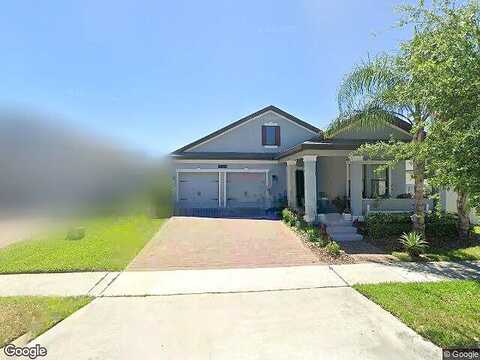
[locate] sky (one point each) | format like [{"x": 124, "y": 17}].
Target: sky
[{"x": 156, "y": 75}]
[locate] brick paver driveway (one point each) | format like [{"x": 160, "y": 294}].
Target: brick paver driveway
[{"x": 203, "y": 243}]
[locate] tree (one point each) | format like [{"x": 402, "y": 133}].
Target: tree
[
  {"x": 381, "y": 91},
  {"x": 444, "y": 57}
]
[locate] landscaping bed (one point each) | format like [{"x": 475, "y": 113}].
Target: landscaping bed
[
  {"x": 385, "y": 230},
  {"x": 316, "y": 239},
  {"x": 446, "y": 313},
  {"x": 34, "y": 314},
  {"x": 108, "y": 245}
]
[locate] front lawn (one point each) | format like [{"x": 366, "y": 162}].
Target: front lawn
[
  {"x": 109, "y": 244},
  {"x": 34, "y": 314},
  {"x": 447, "y": 313}
]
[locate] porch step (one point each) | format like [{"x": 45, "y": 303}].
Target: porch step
[
  {"x": 336, "y": 229},
  {"x": 346, "y": 237}
]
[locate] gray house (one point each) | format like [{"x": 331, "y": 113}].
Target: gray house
[{"x": 270, "y": 158}]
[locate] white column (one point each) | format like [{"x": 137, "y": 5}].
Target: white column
[
  {"x": 356, "y": 185},
  {"x": 292, "y": 184},
  {"x": 310, "y": 177}
]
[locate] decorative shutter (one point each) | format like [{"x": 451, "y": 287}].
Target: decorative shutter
[
  {"x": 277, "y": 135},
  {"x": 264, "y": 135}
]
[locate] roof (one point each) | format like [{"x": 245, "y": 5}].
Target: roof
[
  {"x": 393, "y": 120},
  {"x": 245, "y": 119},
  {"x": 223, "y": 156}
]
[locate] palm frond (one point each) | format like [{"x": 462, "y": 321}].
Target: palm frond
[{"x": 368, "y": 96}]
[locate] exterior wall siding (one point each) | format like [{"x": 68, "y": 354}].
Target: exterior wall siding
[
  {"x": 332, "y": 176},
  {"x": 277, "y": 188},
  {"x": 248, "y": 137}
]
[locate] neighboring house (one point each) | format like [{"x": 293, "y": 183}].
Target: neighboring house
[{"x": 270, "y": 157}]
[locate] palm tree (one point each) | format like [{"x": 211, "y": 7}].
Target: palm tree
[{"x": 380, "y": 91}]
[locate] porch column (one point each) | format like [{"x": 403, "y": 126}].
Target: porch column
[
  {"x": 356, "y": 186},
  {"x": 292, "y": 184},
  {"x": 310, "y": 179}
]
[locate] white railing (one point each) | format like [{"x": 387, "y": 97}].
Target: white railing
[{"x": 392, "y": 205}]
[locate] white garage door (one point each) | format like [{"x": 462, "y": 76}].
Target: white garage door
[
  {"x": 198, "y": 190},
  {"x": 246, "y": 190}
]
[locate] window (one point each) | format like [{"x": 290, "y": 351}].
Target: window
[
  {"x": 375, "y": 183},
  {"x": 270, "y": 135}
]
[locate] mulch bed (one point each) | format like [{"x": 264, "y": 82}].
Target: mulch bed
[{"x": 322, "y": 254}]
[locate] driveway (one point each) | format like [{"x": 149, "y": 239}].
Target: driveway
[
  {"x": 323, "y": 323},
  {"x": 205, "y": 243}
]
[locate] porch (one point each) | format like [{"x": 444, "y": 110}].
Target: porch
[{"x": 334, "y": 182}]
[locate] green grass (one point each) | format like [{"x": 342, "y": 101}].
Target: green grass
[
  {"x": 447, "y": 312},
  {"x": 109, "y": 244},
  {"x": 34, "y": 314},
  {"x": 458, "y": 254}
]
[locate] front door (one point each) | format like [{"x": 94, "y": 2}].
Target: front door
[{"x": 299, "y": 180}]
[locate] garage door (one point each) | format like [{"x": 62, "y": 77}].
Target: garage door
[
  {"x": 198, "y": 190},
  {"x": 246, "y": 190}
]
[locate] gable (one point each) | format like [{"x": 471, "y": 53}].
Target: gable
[
  {"x": 380, "y": 133},
  {"x": 245, "y": 135}
]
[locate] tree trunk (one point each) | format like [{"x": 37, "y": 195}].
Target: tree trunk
[
  {"x": 463, "y": 225},
  {"x": 419, "y": 175}
]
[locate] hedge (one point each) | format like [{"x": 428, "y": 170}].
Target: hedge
[{"x": 437, "y": 226}]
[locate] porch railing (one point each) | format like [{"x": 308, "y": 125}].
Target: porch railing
[{"x": 393, "y": 205}]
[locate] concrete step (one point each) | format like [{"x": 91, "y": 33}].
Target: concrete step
[
  {"x": 341, "y": 230},
  {"x": 338, "y": 223},
  {"x": 347, "y": 237}
]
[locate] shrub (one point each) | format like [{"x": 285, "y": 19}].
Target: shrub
[
  {"x": 413, "y": 243},
  {"x": 333, "y": 248},
  {"x": 313, "y": 234},
  {"x": 438, "y": 227},
  {"x": 289, "y": 216},
  {"x": 441, "y": 226},
  {"x": 300, "y": 223},
  {"x": 75, "y": 233},
  {"x": 324, "y": 240},
  {"x": 379, "y": 225}
]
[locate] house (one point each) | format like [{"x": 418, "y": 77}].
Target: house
[{"x": 271, "y": 157}]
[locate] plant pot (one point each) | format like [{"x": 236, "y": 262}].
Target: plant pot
[{"x": 347, "y": 217}]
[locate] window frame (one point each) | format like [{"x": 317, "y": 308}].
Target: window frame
[{"x": 276, "y": 141}]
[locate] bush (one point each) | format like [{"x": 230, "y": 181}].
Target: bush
[
  {"x": 289, "y": 216},
  {"x": 438, "y": 227},
  {"x": 380, "y": 225},
  {"x": 413, "y": 244},
  {"x": 333, "y": 248},
  {"x": 313, "y": 234},
  {"x": 324, "y": 240},
  {"x": 300, "y": 223},
  {"x": 441, "y": 226}
]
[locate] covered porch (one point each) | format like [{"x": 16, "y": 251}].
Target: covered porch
[{"x": 333, "y": 181}]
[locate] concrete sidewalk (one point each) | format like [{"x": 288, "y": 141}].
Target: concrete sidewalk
[
  {"x": 56, "y": 284},
  {"x": 327, "y": 323},
  {"x": 373, "y": 273},
  {"x": 230, "y": 280}
]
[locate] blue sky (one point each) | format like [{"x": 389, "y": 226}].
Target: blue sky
[{"x": 155, "y": 75}]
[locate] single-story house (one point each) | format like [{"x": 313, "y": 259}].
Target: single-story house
[{"x": 271, "y": 157}]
